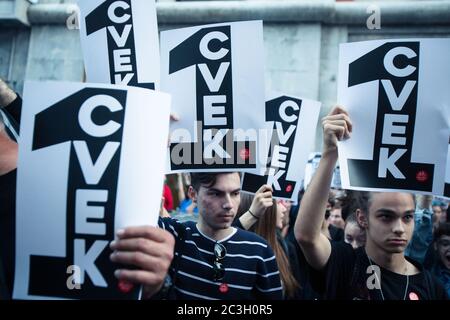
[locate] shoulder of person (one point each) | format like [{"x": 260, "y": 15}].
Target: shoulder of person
[
  {"x": 343, "y": 251},
  {"x": 435, "y": 287},
  {"x": 174, "y": 226},
  {"x": 344, "y": 247},
  {"x": 244, "y": 235}
]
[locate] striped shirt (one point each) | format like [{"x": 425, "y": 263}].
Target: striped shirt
[{"x": 251, "y": 271}]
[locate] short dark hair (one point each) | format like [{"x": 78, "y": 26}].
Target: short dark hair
[
  {"x": 351, "y": 218},
  {"x": 207, "y": 179},
  {"x": 350, "y": 202},
  {"x": 361, "y": 201},
  {"x": 327, "y": 214},
  {"x": 443, "y": 229},
  {"x": 364, "y": 200},
  {"x": 331, "y": 200}
]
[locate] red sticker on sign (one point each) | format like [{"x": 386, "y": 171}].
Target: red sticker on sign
[
  {"x": 289, "y": 188},
  {"x": 422, "y": 176},
  {"x": 125, "y": 286},
  {"x": 244, "y": 153}
]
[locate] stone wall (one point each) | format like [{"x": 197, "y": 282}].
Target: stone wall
[{"x": 301, "y": 37}]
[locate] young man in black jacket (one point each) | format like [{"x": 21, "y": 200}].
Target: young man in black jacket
[{"x": 378, "y": 271}]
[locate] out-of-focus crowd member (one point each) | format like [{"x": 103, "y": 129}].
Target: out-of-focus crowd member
[
  {"x": 341, "y": 271},
  {"x": 439, "y": 208},
  {"x": 423, "y": 229},
  {"x": 441, "y": 268},
  {"x": 354, "y": 234}
]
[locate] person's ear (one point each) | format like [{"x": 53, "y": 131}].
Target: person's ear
[
  {"x": 192, "y": 194},
  {"x": 361, "y": 218}
]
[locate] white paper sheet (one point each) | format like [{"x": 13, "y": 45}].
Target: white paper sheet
[
  {"x": 87, "y": 168},
  {"x": 120, "y": 42},
  {"x": 293, "y": 121},
  {"x": 396, "y": 92},
  {"x": 215, "y": 74}
]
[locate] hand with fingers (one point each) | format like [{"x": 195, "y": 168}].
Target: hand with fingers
[
  {"x": 149, "y": 249},
  {"x": 337, "y": 126},
  {"x": 7, "y": 95},
  {"x": 261, "y": 201}
]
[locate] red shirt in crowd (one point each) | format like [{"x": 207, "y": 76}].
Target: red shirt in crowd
[{"x": 168, "y": 199}]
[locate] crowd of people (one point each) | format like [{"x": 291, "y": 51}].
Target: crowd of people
[{"x": 333, "y": 244}]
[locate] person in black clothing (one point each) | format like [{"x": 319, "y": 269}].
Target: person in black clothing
[
  {"x": 378, "y": 271},
  {"x": 259, "y": 214},
  {"x": 148, "y": 248},
  {"x": 441, "y": 245},
  {"x": 334, "y": 233}
]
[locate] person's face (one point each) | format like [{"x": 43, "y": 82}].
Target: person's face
[
  {"x": 218, "y": 204},
  {"x": 287, "y": 204},
  {"x": 443, "y": 249},
  {"x": 336, "y": 218},
  {"x": 437, "y": 214},
  {"x": 281, "y": 212},
  {"x": 391, "y": 221},
  {"x": 354, "y": 235}
]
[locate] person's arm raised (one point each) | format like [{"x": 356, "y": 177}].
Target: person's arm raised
[
  {"x": 261, "y": 201},
  {"x": 315, "y": 246}
]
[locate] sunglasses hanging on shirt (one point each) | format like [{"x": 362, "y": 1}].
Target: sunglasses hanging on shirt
[{"x": 219, "y": 254}]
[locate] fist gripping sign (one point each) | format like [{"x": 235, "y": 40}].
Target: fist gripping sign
[{"x": 396, "y": 93}]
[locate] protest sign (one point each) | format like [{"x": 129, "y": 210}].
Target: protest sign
[
  {"x": 215, "y": 74},
  {"x": 396, "y": 92},
  {"x": 86, "y": 168},
  {"x": 120, "y": 42},
  {"x": 293, "y": 121}
]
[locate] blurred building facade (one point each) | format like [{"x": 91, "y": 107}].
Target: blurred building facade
[{"x": 40, "y": 42}]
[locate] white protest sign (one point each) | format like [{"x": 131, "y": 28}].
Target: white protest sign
[
  {"x": 215, "y": 74},
  {"x": 311, "y": 168},
  {"x": 336, "y": 180},
  {"x": 293, "y": 122},
  {"x": 120, "y": 42},
  {"x": 86, "y": 168},
  {"x": 396, "y": 92}
]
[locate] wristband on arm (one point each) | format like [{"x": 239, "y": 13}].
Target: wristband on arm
[{"x": 257, "y": 218}]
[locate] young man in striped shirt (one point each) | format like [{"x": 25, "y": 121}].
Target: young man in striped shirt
[{"x": 214, "y": 260}]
